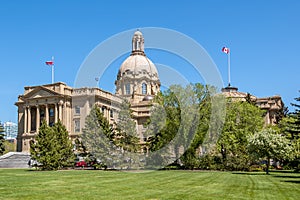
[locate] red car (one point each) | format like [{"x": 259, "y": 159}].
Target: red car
[{"x": 80, "y": 162}]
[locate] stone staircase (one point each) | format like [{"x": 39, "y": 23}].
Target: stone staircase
[{"x": 14, "y": 160}]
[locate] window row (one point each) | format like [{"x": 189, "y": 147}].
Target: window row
[{"x": 128, "y": 90}]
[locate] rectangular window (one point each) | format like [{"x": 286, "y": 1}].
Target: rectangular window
[
  {"x": 127, "y": 88},
  {"x": 77, "y": 125},
  {"x": 144, "y": 88},
  {"x": 51, "y": 112},
  {"x": 77, "y": 110}
]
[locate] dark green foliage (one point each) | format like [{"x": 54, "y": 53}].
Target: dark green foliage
[
  {"x": 97, "y": 137},
  {"x": 113, "y": 147},
  {"x": 52, "y": 148},
  {"x": 290, "y": 127},
  {"x": 294, "y": 123},
  {"x": 242, "y": 119},
  {"x": 2, "y": 140},
  {"x": 194, "y": 105},
  {"x": 180, "y": 120},
  {"x": 165, "y": 121},
  {"x": 126, "y": 133},
  {"x": 63, "y": 144}
]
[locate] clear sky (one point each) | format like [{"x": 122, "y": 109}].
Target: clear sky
[{"x": 264, "y": 38}]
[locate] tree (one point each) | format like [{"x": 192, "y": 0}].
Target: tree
[
  {"x": 126, "y": 133},
  {"x": 268, "y": 144},
  {"x": 97, "y": 137},
  {"x": 9, "y": 146},
  {"x": 52, "y": 148},
  {"x": 127, "y": 139},
  {"x": 180, "y": 121},
  {"x": 205, "y": 126},
  {"x": 242, "y": 119},
  {"x": 290, "y": 127},
  {"x": 63, "y": 145},
  {"x": 294, "y": 123},
  {"x": 2, "y": 140}
]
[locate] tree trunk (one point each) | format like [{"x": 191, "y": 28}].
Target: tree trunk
[{"x": 268, "y": 165}]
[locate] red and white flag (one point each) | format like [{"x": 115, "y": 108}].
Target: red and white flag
[
  {"x": 50, "y": 63},
  {"x": 225, "y": 50}
]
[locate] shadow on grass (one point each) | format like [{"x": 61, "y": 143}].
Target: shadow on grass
[
  {"x": 278, "y": 176},
  {"x": 271, "y": 173},
  {"x": 284, "y": 171},
  {"x": 250, "y": 173},
  {"x": 292, "y": 181}
]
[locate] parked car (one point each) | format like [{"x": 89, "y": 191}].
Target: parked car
[{"x": 81, "y": 162}]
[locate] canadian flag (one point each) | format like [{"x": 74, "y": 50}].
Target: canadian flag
[{"x": 225, "y": 50}]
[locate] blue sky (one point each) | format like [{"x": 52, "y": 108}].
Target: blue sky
[{"x": 263, "y": 37}]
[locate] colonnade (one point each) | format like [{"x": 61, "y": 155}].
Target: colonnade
[{"x": 34, "y": 114}]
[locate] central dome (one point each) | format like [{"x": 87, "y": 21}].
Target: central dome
[
  {"x": 137, "y": 66},
  {"x": 137, "y": 74}
]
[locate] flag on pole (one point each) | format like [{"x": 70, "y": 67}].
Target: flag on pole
[
  {"x": 225, "y": 50},
  {"x": 50, "y": 63}
]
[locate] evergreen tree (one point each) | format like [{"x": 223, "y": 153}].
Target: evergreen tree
[
  {"x": 97, "y": 137},
  {"x": 127, "y": 139},
  {"x": 2, "y": 140},
  {"x": 126, "y": 133},
  {"x": 294, "y": 124},
  {"x": 52, "y": 148},
  {"x": 63, "y": 145},
  {"x": 290, "y": 127}
]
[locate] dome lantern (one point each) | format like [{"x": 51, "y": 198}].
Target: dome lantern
[
  {"x": 137, "y": 76},
  {"x": 138, "y": 44}
]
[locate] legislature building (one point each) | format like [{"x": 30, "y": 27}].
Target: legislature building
[{"x": 137, "y": 81}]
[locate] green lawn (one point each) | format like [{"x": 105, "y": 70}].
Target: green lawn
[{"x": 89, "y": 184}]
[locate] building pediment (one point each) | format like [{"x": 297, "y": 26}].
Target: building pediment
[{"x": 40, "y": 92}]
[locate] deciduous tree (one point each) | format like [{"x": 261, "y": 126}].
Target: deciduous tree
[
  {"x": 269, "y": 144},
  {"x": 242, "y": 119}
]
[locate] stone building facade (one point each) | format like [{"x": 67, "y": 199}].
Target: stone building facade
[
  {"x": 137, "y": 81},
  {"x": 272, "y": 105}
]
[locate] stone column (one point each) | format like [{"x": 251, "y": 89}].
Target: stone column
[
  {"x": 29, "y": 119},
  {"x": 108, "y": 114},
  {"x": 37, "y": 118},
  {"x": 66, "y": 113},
  {"x": 25, "y": 119},
  {"x": 47, "y": 114},
  {"x": 60, "y": 110},
  {"x": 55, "y": 113}
]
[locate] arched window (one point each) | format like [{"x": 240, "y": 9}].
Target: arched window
[
  {"x": 144, "y": 88},
  {"x": 127, "y": 88}
]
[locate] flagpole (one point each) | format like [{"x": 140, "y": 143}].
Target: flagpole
[
  {"x": 229, "y": 67},
  {"x": 52, "y": 70}
]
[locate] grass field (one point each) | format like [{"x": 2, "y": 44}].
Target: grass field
[{"x": 89, "y": 184}]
